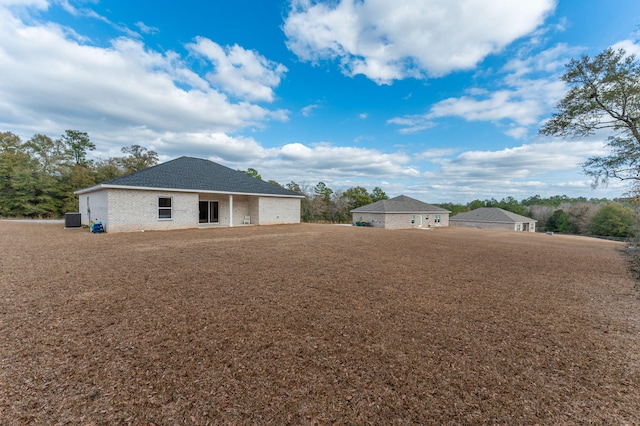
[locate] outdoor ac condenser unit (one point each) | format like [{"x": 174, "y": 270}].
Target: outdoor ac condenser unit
[{"x": 72, "y": 220}]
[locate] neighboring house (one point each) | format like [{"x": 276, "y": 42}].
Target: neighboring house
[
  {"x": 493, "y": 218},
  {"x": 187, "y": 193},
  {"x": 401, "y": 212}
]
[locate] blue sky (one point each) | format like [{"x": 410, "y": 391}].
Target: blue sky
[{"x": 440, "y": 100}]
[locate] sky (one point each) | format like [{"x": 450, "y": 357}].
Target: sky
[{"x": 440, "y": 100}]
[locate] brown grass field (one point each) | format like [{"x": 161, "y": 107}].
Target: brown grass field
[{"x": 315, "y": 324}]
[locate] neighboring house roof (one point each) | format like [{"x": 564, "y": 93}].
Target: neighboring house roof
[
  {"x": 400, "y": 204},
  {"x": 194, "y": 175},
  {"x": 490, "y": 214}
]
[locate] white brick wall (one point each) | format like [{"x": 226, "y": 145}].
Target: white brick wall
[
  {"x": 493, "y": 225},
  {"x": 254, "y": 210},
  {"x": 402, "y": 220},
  {"x": 273, "y": 210},
  {"x": 95, "y": 203},
  {"x": 240, "y": 208},
  {"x": 132, "y": 210},
  {"x": 377, "y": 220},
  {"x": 123, "y": 210}
]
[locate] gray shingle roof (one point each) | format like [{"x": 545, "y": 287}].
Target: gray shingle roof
[
  {"x": 196, "y": 174},
  {"x": 400, "y": 204},
  {"x": 490, "y": 214}
]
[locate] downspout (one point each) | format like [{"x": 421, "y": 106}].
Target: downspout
[{"x": 230, "y": 211}]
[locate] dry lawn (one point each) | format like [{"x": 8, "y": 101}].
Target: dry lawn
[{"x": 315, "y": 324}]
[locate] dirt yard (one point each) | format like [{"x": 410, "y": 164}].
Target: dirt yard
[{"x": 315, "y": 324}]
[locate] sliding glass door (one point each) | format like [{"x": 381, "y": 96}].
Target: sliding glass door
[{"x": 209, "y": 212}]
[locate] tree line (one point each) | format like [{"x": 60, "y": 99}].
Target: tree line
[
  {"x": 323, "y": 204},
  {"x": 558, "y": 213},
  {"x": 604, "y": 93},
  {"x": 563, "y": 214},
  {"x": 38, "y": 176}
]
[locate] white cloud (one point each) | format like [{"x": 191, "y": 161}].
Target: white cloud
[
  {"x": 238, "y": 71},
  {"x": 521, "y": 162},
  {"x": 54, "y": 79},
  {"x": 349, "y": 161},
  {"x": 307, "y": 110},
  {"x": 517, "y": 132},
  {"x": 90, "y": 13},
  {"x": 629, "y": 46},
  {"x": 40, "y": 4},
  {"x": 147, "y": 29},
  {"x": 412, "y": 123},
  {"x": 547, "y": 169},
  {"x": 498, "y": 106},
  {"x": 436, "y": 153},
  {"x": 217, "y": 146},
  {"x": 127, "y": 93},
  {"x": 531, "y": 88},
  {"x": 73, "y": 10},
  {"x": 550, "y": 61},
  {"x": 388, "y": 41}
]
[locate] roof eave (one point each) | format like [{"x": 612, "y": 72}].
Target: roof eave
[
  {"x": 199, "y": 191},
  {"x": 453, "y": 219},
  {"x": 403, "y": 212},
  {"x": 89, "y": 189}
]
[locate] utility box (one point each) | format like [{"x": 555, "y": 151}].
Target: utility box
[{"x": 72, "y": 220}]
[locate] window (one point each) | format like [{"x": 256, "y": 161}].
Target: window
[
  {"x": 437, "y": 218},
  {"x": 208, "y": 211},
  {"x": 165, "y": 210}
]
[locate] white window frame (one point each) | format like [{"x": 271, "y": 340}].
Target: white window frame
[
  {"x": 164, "y": 208},
  {"x": 437, "y": 219}
]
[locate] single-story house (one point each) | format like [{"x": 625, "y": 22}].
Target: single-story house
[
  {"x": 493, "y": 218},
  {"x": 187, "y": 193},
  {"x": 401, "y": 212}
]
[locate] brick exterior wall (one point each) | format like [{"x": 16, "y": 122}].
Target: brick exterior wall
[
  {"x": 125, "y": 210},
  {"x": 272, "y": 210},
  {"x": 494, "y": 225},
  {"x": 402, "y": 220},
  {"x": 94, "y": 206},
  {"x": 240, "y": 209},
  {"x": 132, "y": 210}
]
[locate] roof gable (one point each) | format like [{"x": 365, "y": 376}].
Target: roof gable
[
  {"x": 491, "y": 214},
  {"x": 400, "y": 204},
  {"x": 196, "y": 174}
]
